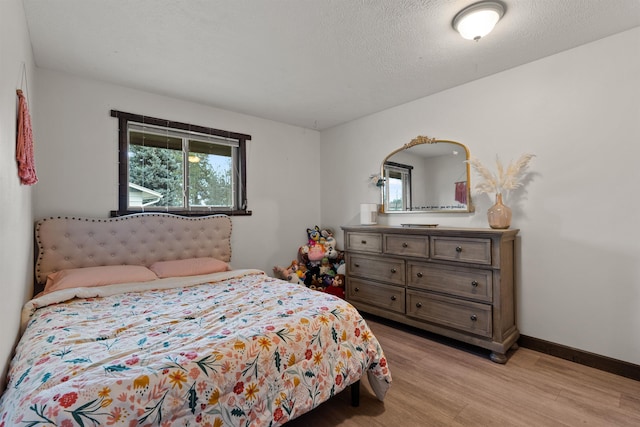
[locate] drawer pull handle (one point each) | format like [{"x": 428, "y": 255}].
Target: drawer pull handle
[
  {"x": 404, "y": 245},
  {"x": 473, "y": 317},
  {"x": 393, "y": 298},
  {"x": 474, "y": 284},
  {"x": 418, "y": 304},
  {"x": 393, "y": 270},
  {"x": 419, "y": 274},
  {"x": 364, "y": 242},
  {"x": 458, "y": 249},
  {"x": 357, "y": 289},
  {"x": 356, "y": 265}
]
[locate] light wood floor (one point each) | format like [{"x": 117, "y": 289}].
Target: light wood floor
[{"x": 441, "y": 383}]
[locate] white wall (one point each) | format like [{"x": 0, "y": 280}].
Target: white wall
[
  {"x": 15, "y": 199},
  {"x": 579, "y": 269},
  {"x": 579, "y": 112},
  {"x": 79, "y": 163}
]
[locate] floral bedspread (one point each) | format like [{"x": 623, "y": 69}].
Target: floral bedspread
[{"x": 247, "y": 350}]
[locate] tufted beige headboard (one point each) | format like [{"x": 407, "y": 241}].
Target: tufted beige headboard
[{"x": 138, "y": 239}]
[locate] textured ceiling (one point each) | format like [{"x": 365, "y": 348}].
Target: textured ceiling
[{"x": 311, "y": 63}]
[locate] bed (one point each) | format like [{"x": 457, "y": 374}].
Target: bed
[{"x": 195, "y": 343}]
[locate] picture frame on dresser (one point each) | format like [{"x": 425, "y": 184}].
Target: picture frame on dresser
[{"x": 455, "y": 282}]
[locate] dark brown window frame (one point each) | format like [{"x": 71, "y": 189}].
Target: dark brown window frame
[{"x": 123, "y": 166}]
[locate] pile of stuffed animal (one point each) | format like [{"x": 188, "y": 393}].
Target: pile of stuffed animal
[{"x": 319, "y": 264}]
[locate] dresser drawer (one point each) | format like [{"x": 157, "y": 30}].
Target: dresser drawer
[
  {"x": 466, "y": 316},
  {"x": 364, "y": 242},
  {"x": 385, "y": 270},
  {"x": 377, "y": 294},
  {"x": 399, "y": 244},
  {"x": 477, "y": 251},
  {"x": 472, "y": 283}
]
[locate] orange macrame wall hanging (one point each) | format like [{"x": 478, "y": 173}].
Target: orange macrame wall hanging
[{"x": 24, "y": 143}]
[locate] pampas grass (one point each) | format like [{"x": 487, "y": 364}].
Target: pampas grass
[{"x": 503, "y": 179}]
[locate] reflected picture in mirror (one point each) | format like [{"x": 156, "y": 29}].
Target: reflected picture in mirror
[{"x": 426, "y": 175}]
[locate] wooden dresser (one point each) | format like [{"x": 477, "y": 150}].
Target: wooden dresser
[{"x": 457, "y": 282}]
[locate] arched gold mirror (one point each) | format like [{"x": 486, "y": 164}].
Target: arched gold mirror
[{"x": 426, "y": 175}]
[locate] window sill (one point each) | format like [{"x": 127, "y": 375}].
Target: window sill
[{"x": 113, "y": 214}]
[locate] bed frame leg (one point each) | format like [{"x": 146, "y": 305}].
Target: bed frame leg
[{"x": 355, "y": 394}]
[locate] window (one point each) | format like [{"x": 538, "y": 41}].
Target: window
[
  {"x": 398, "y": 186},
  {"x": 179, "y": 168}
]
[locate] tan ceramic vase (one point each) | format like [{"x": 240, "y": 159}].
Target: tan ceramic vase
[{"x": 499, "y": 215}]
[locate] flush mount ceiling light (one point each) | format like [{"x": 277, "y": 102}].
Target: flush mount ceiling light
[{"x": 477, "y": 20}]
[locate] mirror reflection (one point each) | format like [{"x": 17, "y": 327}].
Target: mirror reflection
[{"x": 426, "y": 175}]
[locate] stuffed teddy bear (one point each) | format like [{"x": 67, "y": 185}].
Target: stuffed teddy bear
[
  {"x": 289, "y": 274},
  {"x": 303, "y": 254}
]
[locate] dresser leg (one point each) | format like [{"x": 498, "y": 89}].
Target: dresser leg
[
  {"x": 498, "y": 357},
  {"x": 515, "y": 346}
]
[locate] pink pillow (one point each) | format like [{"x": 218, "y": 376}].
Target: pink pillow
[
  {"x": 97, "y": 276},
  {"x": 188, "y": 267}
]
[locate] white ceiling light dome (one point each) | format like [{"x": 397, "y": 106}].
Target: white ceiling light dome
[{"x": 477, "y": 20}]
